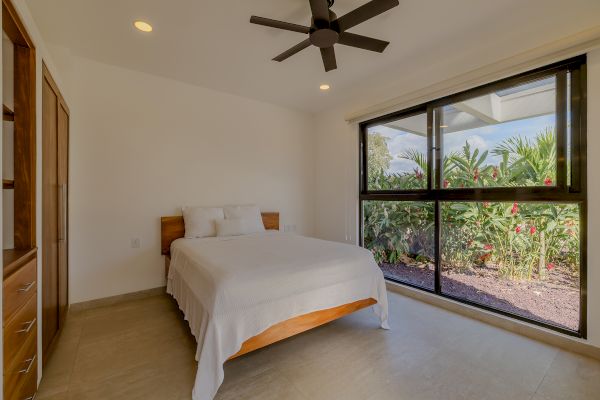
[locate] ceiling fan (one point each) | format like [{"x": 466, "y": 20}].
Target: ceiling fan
[{"x": 326, "y": 29}]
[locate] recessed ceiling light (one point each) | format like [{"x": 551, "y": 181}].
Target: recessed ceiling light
[
  {"x": 143, "y": 26},
  {"x": 324, "y": 87}
]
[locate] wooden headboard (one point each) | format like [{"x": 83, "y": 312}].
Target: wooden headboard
[{"x": 172, "y": 228}]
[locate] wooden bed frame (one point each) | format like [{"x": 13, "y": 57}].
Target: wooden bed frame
[{"x": 172, "y": 228}]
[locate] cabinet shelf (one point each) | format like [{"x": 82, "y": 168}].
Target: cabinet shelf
[
  {"x": 8, "y": 184},
  {"x": 12, "y": 259},
  {"x": 7, "y": 113}
]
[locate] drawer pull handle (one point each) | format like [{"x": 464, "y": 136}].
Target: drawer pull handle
[
  {"x": 29, "y": 326},
  {"x": 27, "y": 287},
  {"x": 26, "y": 370}
]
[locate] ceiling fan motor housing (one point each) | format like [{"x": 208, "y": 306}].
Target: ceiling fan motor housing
[
  {"x": 324, "y": 38},
  {"x": 322, "y": 33}
]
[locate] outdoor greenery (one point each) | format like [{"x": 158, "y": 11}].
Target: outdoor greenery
[{"x": 523, "y": 240}]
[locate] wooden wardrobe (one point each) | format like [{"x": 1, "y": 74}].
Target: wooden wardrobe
[
  {"x": 55, "y": 172},
  {"x": 20, "y": 284}
]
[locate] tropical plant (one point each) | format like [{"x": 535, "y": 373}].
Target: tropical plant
[{"x": 532, "y": 162}]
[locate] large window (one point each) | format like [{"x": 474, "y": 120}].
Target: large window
[{"x": 481, "y": 196}]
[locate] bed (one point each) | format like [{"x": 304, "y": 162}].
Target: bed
[{"x": 241, "y": 293}]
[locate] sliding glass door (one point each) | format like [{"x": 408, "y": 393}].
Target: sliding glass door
[{"x": 480, "y": 196}]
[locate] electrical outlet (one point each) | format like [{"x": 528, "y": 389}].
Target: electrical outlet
[
  {"x": 135, "y": 243},
  {"x": 289, "y": 228}
]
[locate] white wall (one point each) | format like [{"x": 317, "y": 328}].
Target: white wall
[
  {"x": 593, "y": 150},
  {"x": 336, "y": 208},
  {"x": 142, "y": 146}
]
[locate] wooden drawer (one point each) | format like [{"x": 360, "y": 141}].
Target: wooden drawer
[
  {"x": 18, "y": 330},
  {"x": 24, "y": 368},
  {"x": 28, "y": 389},
  {"x": 19, "y": 288}
]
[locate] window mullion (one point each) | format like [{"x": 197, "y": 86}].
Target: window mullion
[
  {"x": 430, "y": 149},
  {"x": 439, "y": 176},
  {"x": 576, "y": 133},
  {"x": 438, "y": 248},
  {"x": 363, "y": 159},
  {"x": 561, "y": 130},
  {"x": 437, "y": 116}
]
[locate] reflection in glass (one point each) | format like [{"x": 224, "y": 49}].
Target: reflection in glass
[
  {"x": 397, "y": 154},
  {"x": 504, "y": 138}
]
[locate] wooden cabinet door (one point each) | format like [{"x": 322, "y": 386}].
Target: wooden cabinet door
[
  {"x": 49, "y": 216},
  {"x": 63, "y": 214},
  {"x": 55, "y": 173}
]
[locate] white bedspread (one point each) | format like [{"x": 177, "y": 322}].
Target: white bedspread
[{"x": 233, "y": 288}]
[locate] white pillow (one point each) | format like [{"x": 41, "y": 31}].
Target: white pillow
[
  {"x": 200, "y": 221},
  {"x": 249, "y": 213},
  {"x": 237, "y": 226}
]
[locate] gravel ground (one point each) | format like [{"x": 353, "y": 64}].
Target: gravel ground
[{"x": 554, "y": 300}]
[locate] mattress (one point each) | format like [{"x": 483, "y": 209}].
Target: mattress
[{"x": 233, "y": 288}]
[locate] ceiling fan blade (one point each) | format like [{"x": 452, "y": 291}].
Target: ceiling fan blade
[
  {"x": 363, "y": 13},
  {"x": 320, "y": 10},
  {"x": 279, "y": 24},
  {"x": 288, "y": 53},
  {"x": 362, "y": 42},
  {"x": 328, "y": 55}
]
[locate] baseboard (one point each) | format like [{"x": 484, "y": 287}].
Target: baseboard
[
  {"x": 112, "y": 300},
  {"x": 522, "y": 328}
]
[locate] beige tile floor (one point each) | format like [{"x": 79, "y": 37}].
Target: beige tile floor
[{"x": 142, "y": 350}]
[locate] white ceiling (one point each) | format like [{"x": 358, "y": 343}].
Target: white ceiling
[{"x": 211, "y": 43}]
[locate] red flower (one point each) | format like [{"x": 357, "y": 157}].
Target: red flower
[
  {"x": 476, "y": 175},
  {"x": 485, "y": 256},
  {"x": 495, "y": 173},
  {"x": 486, "y": 204},
  {"x": 418, "y": 174},
  {"x": 488, "y": 247},
  {"x": 446, "y": 183},
  {"x": 548, "y": 182},
  {"x": 518, "y": 229},
  {"x": 515, "y": 208},
  {"x": 550, "y": 266},
  {"x": 532, "y": 230}
]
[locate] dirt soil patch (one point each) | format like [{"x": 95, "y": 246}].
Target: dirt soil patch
[{"x": 554, "y": 300}]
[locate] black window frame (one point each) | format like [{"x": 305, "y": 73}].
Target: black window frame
[{"x": 574, "y": 193}]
